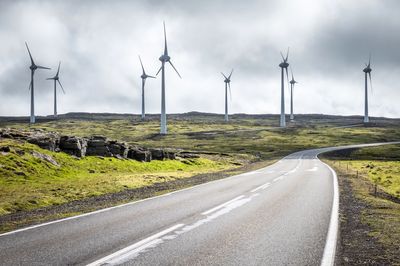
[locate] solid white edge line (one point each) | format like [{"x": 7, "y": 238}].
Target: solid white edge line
[
  {"x": 328, "y": 257},
  {"x": 222, "y": 205},
  {"x": 134, "y": 246}
]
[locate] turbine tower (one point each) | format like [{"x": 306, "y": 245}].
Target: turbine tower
[
  {"x": 292, "y": 82},
  {"x": 227, "y": 85},
  {"x": 33, "y": 67},
  {"x": 164, "y": 58},
  {"x": 144, "y": 76},
  {"x": 367, "y": 70},
  {"x": 56, "y": 79},
  {"x": 284, "y": 65}
]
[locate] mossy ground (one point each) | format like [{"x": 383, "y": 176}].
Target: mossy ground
[{"x": 28, "y": 182}]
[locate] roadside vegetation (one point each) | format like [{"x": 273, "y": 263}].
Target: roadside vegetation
[{"x": 370, "y": 204}]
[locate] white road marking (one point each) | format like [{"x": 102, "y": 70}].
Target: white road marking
[
  {"x": 135, "y": 247},
  {"x": 222, "y": 205},
  {"x": 314, "y": 169},
  {"x": 129, "y": 253},
  {"x": 264, "y": 186},
  {"x": 328, "y": 258},
  {"x": 278, "y": 178}
]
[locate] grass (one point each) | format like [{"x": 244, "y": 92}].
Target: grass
[
  {"x": 28, "y": 182},
  {"x": 364, "y": 168}
]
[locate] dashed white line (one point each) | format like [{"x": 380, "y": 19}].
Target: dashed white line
[
  {"x": 134, "y": 248},
  {"x": 264, "y": 186},
  {"x": 222, "y": 205}
]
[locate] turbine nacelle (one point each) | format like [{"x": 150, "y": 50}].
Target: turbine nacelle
[
  {"x": 33, "y": 67},
  {"x": 367, "y": 69},
  {"x": 164, "y": 58},
  {"x": 284, "y": 64},
  {"x": 293, "y": 82}
]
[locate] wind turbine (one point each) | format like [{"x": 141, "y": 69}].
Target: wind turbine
[
  {"x": 284, "y": 65},
  {"x": 367, "y": 70},
  {"x": 56, "y": 79},
  {"x": 292, "y": 82},
  {"x": 227, "y": 85},
  {"x": 144, "y": 76},
  {"x": 33, "y": 67},
  {"x": 164, "y": 58}
]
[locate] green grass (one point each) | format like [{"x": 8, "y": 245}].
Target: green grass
[
  {"x": 364, "y": 168},
  {"x": 28, "y": 182}
]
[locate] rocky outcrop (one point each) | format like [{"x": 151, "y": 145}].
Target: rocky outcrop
[
  {"x": 139, "y": 154},
  {"x": 92, "y": 146},
  {"x": 73, "y": 145},
  {"x": 98, "y": 146}
]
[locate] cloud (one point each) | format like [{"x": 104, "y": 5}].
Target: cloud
[{"x": 98, "y": 44}]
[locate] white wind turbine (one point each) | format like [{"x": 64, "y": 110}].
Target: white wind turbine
[
  {"x": 33, "y": 67},
  {"x": 284, "y": 65},
  {"x": 292, "y": 83},
  {"x": 164, "y": 58},
  {"x": 227, "y": 85},
  {"x": 367, "y": 70},
  {"x": 144, "y": 76},
  {"x": 56, "y": 79}
]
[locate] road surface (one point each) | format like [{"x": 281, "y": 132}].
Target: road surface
[{"x": 284, "y": 214}]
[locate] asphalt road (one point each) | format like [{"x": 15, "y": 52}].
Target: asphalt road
[{"x": 284, "y": 214}]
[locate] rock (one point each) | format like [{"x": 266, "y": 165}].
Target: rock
[
  {"x": 139, "y": 154},
  {"x": 73, "y": 146},
  {"x": 118, "y": 149},
  {"x": 5, "y": 149},
  {"x": 97, "y": 146},
  {"x": 169, "y": 154},
  {"x": 44, "y": 142},
  {"x": 45, "y": 157},
  {"x": 157, "y": 154}
]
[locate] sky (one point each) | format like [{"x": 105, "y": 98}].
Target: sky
[{"x": 98, "y": 43}]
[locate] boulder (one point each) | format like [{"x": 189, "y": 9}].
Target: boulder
[
  {"x": 117, "y": 149},
  {"x": 44, "y": 142},
  {"x": 73, "y": 145},
  {"x": 157, "y": 154},
  {"x": 97, "y": 146},
  {"x": 139, "y": 154}
]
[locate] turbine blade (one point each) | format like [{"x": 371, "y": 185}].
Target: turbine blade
[
  {"x": 58, "y": 70},
  {"x": 61, "y": 86},
  {"x": 287, "y": 54},
  {"x": 283, "y": 58},
  {"x": 224, "y": 75},
  {"x": 287, "y": 76},
  {"x": 49, "y": 78},
  {"x": 42, "y": 67},
  {"x": 230, "y": 92},
  {"x": 229, "y": 77},
  {"x": 159, "y": 70},
  {"x": 151, "y": 77},
  {"x": 175, "y": 69},
  {"x": 29, "y": 54},
  {"x": 165, "y": 41},
  {"x": 291, "y": 70},
  {"x": 141, "y": 65},
  {"x": 369, "y": 61},
  {"x": 370, "y": 82},
  {"x": 30, "y": 85}
]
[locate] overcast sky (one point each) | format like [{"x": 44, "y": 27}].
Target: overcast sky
[{"x": 98, "y": 43}]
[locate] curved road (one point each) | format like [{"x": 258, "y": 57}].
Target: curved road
[{"x": 284, "y": 214}]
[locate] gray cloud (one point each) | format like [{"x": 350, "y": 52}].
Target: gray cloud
[{"x": 98, "y": 43}]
